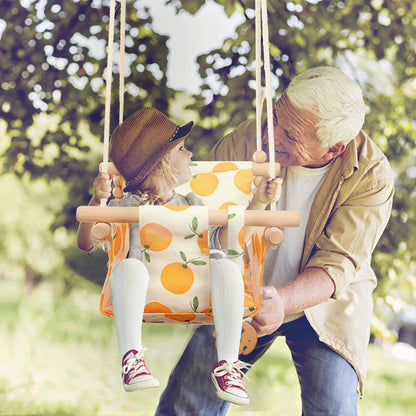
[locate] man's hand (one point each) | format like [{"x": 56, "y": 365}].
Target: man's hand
[
  {"x": 267, "y": 190},
  {"x": 271, "y": 314}
]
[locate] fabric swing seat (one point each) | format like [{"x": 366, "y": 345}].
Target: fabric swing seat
[{"x": 175, "y": 246}]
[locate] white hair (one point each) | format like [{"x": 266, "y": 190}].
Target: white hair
[{"x": 332, "y": 97}]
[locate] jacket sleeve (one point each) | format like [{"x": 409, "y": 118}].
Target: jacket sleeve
[{"x": 355, "y": 226}]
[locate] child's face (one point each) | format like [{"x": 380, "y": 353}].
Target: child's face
[{"x": 180, "y": 161}]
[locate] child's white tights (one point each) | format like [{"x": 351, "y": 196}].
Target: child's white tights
[
  {"x": 129, "y": 282},
  {"x": 227, "y": 294}
]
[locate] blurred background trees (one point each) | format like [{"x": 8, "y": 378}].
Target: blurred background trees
[{"x": 52, "y": 62}]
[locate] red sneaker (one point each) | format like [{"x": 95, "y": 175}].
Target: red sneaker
[
  {"x": 134, "y": 372},
  {"x": 227, "y": 380}
]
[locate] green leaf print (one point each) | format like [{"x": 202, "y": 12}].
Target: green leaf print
[
  {"x": 195, "y": 304},
  {"x": 194, "y": 223},
  {"x": 234, "y": 253},
  {"x": 198, "y": 262}
]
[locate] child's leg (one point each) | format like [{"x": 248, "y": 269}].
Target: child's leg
[
  {"x": 227, "y": 290},
  {"x": 129, "y": 282}
]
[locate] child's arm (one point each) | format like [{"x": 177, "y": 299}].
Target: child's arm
[
  {"x": 102, "y": 189},
  {"x": 266, "y": 192}
]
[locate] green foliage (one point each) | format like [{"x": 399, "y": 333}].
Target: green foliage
[
  {"x": 53, "y": 60},
  {"x": 52, "y": 92}
]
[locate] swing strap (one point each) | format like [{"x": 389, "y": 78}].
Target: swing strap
[
  {"x": 109, "y": 78},
  {"x": 262, "y": 25}
]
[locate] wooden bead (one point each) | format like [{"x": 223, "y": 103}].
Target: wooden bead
[
  {"x": 274, "y": 235},
  {"x": 259, "y": 156},
  {"x": 118, "y": 193}
]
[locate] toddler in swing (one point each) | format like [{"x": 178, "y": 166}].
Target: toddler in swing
[{"x": 149, "y": 152}]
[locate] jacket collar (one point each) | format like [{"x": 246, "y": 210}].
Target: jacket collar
[{"x": 349, "y": 159}]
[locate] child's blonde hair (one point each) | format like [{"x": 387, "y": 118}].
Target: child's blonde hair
[{"x": 162, "y": 177}]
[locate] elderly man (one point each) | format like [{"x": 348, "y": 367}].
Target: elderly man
[{"x": 318, "y": 282}]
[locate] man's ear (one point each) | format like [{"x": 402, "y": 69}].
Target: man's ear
[{"x": 335, "y": 151}]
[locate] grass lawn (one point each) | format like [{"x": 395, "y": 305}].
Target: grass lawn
[{"x": 59, "y": 357}]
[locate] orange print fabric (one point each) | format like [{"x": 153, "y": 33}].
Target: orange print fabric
[
  {"x": 220, "y": 184},
  {"x": 175, "y": 252}
]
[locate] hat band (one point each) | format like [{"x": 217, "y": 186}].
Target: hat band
[{"x": 174, "y": 134}]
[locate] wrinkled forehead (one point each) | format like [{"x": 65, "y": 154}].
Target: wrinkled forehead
[{"x": 293, "y": 118}]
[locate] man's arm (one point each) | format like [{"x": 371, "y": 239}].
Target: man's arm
[{"x": 311, "y": 287}]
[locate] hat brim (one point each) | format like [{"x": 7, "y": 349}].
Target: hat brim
[
  {"x": 180, "y": 134},
  {"x": 183, "y": 131}
]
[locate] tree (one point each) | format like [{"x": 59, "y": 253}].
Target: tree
[
  {"x": 53, "y": 68},
  {"x": 53, "y": 60}
]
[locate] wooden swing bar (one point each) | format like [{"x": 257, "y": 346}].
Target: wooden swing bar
[{"x": 255, "y": 218}]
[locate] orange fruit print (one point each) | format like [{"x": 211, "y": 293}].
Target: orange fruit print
[
  {"x": 177, "y": 278},
  {"x": 155, "y": 237},
  {"x": 156, "y": 307},
  {"x": 241, "y": 238},
  {"x": 225, "y": 205},
  {"x": 224, "y": 167},
  {"x": 243, "y": 179},
  {"x": 204, "y": 184},
  {"x": 181, "y": 317},
  {"x": 203, "y": 242}
]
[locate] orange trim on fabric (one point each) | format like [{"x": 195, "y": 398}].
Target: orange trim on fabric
[{"x": 102, "y": 310}]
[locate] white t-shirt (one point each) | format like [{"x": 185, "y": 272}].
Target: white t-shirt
[{"x": 298, "y": 192}]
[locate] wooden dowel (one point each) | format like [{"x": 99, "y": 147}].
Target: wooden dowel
[
  {"x": 254, "y": 218},
  {"x": 262, "y": 169}
]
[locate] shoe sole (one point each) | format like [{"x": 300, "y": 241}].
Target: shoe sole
[
  {"x": 227, "y": 396},
  {"x": 140, "y": 385}
]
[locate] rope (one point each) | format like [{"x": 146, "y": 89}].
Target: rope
[
  {"x": 269, "y": 104},
  {"x": 261, "y": 24},
  {"x": 259, "y": 92},
  {"x": 262, "y": 29},
  {"x": 109, "y": 78},
  {"x": 122, "y": 59}
]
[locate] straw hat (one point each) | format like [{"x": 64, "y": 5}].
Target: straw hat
[{"x": 141, "y": 141}]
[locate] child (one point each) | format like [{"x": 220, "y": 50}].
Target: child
[{"x": 148, "y": 150}]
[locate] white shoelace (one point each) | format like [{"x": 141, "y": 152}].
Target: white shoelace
[
  {"x": 136, "y": 364},
  {"x": 233, "y": 373}
]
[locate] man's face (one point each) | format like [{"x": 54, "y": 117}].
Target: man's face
[{"x": 296, "y": 143}]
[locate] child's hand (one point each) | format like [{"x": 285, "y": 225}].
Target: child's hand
[
  {"x": 102, "y": 188},
  {"x": 267, "y": 190}
]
